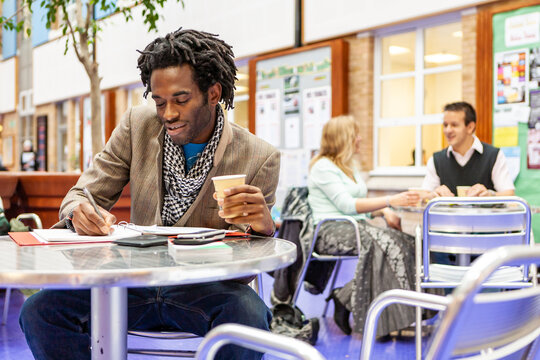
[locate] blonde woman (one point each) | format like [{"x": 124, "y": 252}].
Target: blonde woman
[{"x": 386, "y": 258}]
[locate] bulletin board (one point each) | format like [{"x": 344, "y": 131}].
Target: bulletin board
[
  {"x": 292, "y": 94},
  {"x": 516, "y": 99}
]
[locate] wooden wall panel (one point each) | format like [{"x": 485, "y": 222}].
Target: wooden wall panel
[{"x": 42, "y": 193}]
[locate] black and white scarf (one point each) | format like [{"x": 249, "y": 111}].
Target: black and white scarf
[{"x": 181, "y": 189}]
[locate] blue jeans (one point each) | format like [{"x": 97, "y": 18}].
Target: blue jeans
[{"x": 56, "y": 323}]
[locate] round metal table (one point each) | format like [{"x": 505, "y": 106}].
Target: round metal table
[{"x": 108, "y": 270}]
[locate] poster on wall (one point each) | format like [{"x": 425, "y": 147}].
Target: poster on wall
[
  {"x": 522, "y": 29},
  {"x": 534, "y": 68},
  {"x": 511, "y": 77},
  {"x": 267, "y": 116},
  {"x": 292, "y": 132},
  {"x": 533, "y": 148},
  {"x": 505, "y": 121},
  {"x": 533, "y": 135},
  {"x": 291, "y": 95},
  {"x": 316, "y": 110}
]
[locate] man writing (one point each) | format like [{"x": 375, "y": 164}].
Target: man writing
[
  {"x": 466, "y": 161},
  {"x": 169, "y": 157}
]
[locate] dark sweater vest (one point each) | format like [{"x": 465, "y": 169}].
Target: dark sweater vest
[{"x": 476, "y": 171}]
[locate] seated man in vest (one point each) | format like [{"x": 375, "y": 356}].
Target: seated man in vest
[{"x": 466, "y": 161}]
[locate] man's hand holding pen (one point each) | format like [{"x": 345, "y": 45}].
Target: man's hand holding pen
[
  {"x": 87, "y": 222},
  {"x": 91, "y": 219}
]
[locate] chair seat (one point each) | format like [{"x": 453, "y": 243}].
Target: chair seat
[{"x": 452, "y": 273}]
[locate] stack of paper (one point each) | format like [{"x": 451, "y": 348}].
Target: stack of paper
[
  {"x": 440, "y": 272},
  {"x": 161, "y": 230},
  {"x": 66, "y": 235}
]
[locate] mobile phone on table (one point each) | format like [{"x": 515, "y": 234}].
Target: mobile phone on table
[
  {"x": 199, "y": 237},
  {"x": 142, "y": 241}
]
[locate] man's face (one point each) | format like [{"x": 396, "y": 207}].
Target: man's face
[
  {"x": 457, "y": 133},
  {"x": 183, "y": 109}
]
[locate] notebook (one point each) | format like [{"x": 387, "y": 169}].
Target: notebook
[
  {"x": 161, "y": 230},
  {"x": 66, "y": 235}
]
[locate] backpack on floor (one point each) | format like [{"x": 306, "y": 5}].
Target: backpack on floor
[{"x": 290, "y": 321}]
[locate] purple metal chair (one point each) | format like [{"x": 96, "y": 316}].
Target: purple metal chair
[
  {"x": 256, "y": 284},
  {"x": 38, "y": 224},
  {"x": 468, "y": 226},
  {"x": 475, "y": 326}
]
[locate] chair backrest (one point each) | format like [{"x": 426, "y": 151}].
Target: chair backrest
[
  {"x": 296, "y": 210},
  {"x": 296, "y": 202},
  {"x": 255, "y": 339},
  {"x": 502, "y": 322},
  {"x": 466, "y": 225}
]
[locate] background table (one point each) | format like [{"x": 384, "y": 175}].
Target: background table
[{"x": 108, "y": 270}]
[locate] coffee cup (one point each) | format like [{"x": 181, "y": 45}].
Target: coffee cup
[
  {"x": 227, "y": 181},
  {"x": 462, "y": 190}
]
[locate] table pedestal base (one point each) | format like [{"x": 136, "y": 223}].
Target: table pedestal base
[{"x": 109, "y": 323}]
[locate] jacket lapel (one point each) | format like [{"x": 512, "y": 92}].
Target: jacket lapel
[
  {"x": 226, "y": 138},
  {"x": 159, "y": 178}
]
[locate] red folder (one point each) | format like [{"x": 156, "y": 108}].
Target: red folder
[{"x": 27, "y": 239}]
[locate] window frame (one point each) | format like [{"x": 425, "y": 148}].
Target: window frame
[{"x": 419, "y": 73}]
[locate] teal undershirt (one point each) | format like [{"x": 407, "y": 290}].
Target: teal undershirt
[{"x": 192, "y": 153}]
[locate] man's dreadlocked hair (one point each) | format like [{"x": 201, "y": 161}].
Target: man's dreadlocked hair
[{"x": 212, "y": 60}]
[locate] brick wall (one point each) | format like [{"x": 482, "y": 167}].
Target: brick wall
[
  {"x": 468, "y": 26},
  {"x": 361, "y": 93}
]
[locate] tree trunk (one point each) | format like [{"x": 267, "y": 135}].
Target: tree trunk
[
  {"x": 86, "y": 54},
  {"x": 95, "y": 105}
]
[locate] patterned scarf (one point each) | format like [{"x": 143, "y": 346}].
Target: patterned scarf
[{"x": 180, "y": 189}]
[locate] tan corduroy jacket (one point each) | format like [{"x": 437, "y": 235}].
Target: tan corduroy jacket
[{"x": 134, "y": 154}]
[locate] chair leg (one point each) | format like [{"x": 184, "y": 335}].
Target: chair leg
[
  {"x": 418, "y": 333},
  {"x": 418, "y": 288},
  {"x": 332, "y": 284},
  {"x": 6, "y": 306}
]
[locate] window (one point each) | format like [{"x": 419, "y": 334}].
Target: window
[{"x": 417, "y": 72}]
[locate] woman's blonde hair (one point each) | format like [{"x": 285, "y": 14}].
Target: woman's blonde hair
[{"x": 338, "y": 143}]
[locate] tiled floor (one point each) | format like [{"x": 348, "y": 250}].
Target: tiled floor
[{"x": 332, "y": 343}]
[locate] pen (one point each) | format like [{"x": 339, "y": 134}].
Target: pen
[{"x": 91, "y": 200}]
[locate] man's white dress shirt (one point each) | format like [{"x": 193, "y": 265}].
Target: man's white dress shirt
[{"x": 499, "y": 175}]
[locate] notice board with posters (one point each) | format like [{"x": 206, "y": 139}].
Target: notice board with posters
[
  {"x": 516, "y": 99},
  {"x": 292, "y": 94}
]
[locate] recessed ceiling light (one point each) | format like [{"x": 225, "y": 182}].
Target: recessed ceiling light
[
  {"x": 397, "y": 50},
  {"x": 458, "y": 34},
  {"x": 441, "y": 58}
]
